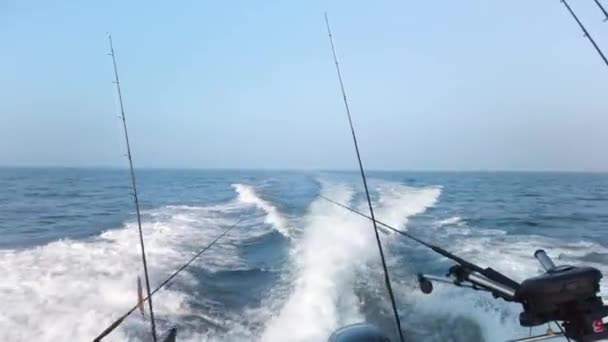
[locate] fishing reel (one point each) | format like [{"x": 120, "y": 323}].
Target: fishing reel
[{"x": 563, "y": 293}]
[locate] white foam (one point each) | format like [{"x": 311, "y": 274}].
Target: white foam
[
  {"x": 513, "y": 254},
  {"x": 71, "y": 290},
  {"x": 247, "y": 194},
  {"x": 334, "y": 244},
  {"x": 398, "y": 202},
  {"x": 450, "y": 221},
  {"x": 497, "y": 319}
]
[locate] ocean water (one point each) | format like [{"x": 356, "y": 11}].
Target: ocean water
[{"x": 297, "y": 267}]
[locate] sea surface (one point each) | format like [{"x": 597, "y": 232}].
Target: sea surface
[{"x": 296, "y": 267}]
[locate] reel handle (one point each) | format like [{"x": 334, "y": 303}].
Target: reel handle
[{"x": 544, "y": 260}]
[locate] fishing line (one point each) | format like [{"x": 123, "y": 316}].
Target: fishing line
[
  {"x": 487, "y": 272},
  {"x": 406, "y": 234},
  {"x": 118, "y": 321},
  {"x": 599, "y": 4},
  {"x": 369, "y": 200},
  {"x": 141, "y": 236},
  {"x": 587, "y": 35}
]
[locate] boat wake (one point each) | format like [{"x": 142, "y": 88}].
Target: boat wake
[
  {"x": 328, "y": 276},
  {"x": 451, "y": 221},
  {"x": 247, "y": 195},
  {"x": 76, "y": 288},
  {"x": 334, "y": 245}
]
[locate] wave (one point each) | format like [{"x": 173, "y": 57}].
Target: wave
[
  {"x": 247, "y": 195},
  {"x": 450, "y": 221},
  {"x": 75, "y": 288},
  {"x": 496, "y": 320},
  {"x": 334, "y": 244},
  {"x": 397, "y": 202}
]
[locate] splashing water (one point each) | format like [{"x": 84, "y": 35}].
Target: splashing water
[
  {"x": 257, "y": 285},
  {"x": 334, "y": 244},
  {"x": 248, "y": 195}
]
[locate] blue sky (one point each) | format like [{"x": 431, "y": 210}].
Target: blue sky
[{"x": 448, "y": 85}]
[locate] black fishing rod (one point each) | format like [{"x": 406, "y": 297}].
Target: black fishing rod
[
  {"x": 586, "y": 33},
  {"x": 119, "y": 320},
  {"x": 599, "y": 4},
  {"x": 134, "y": 187},
  {"x": 487, "y": 272},
  {"x": 369, "y": 201},
  {"x": 563, "y": 293}
]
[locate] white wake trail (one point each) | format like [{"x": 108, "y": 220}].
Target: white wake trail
[
  {"x": 247, "y": 195},
  {"x": 397, "y": 202},
  {"x": 73, "y": 289},
  {"x": 334, "y": 244}
]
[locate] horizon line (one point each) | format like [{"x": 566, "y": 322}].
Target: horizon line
[{"x": 194, "y": 168}]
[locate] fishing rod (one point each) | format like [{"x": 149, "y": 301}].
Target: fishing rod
[
  {"x": 148, "y": 298},
  {"x": 171, "y": 335},
  {"x": 563, "y": 293},
  {"x": 134, "y": 187},
  {"x": 387, "y": 280},
  {"x": 599, "y": 4},
  {"x": 489, "y": 273},
  {"x": 585, "y": 32}
]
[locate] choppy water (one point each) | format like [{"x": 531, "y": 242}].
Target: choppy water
[{"x": 296, "y": 268}]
